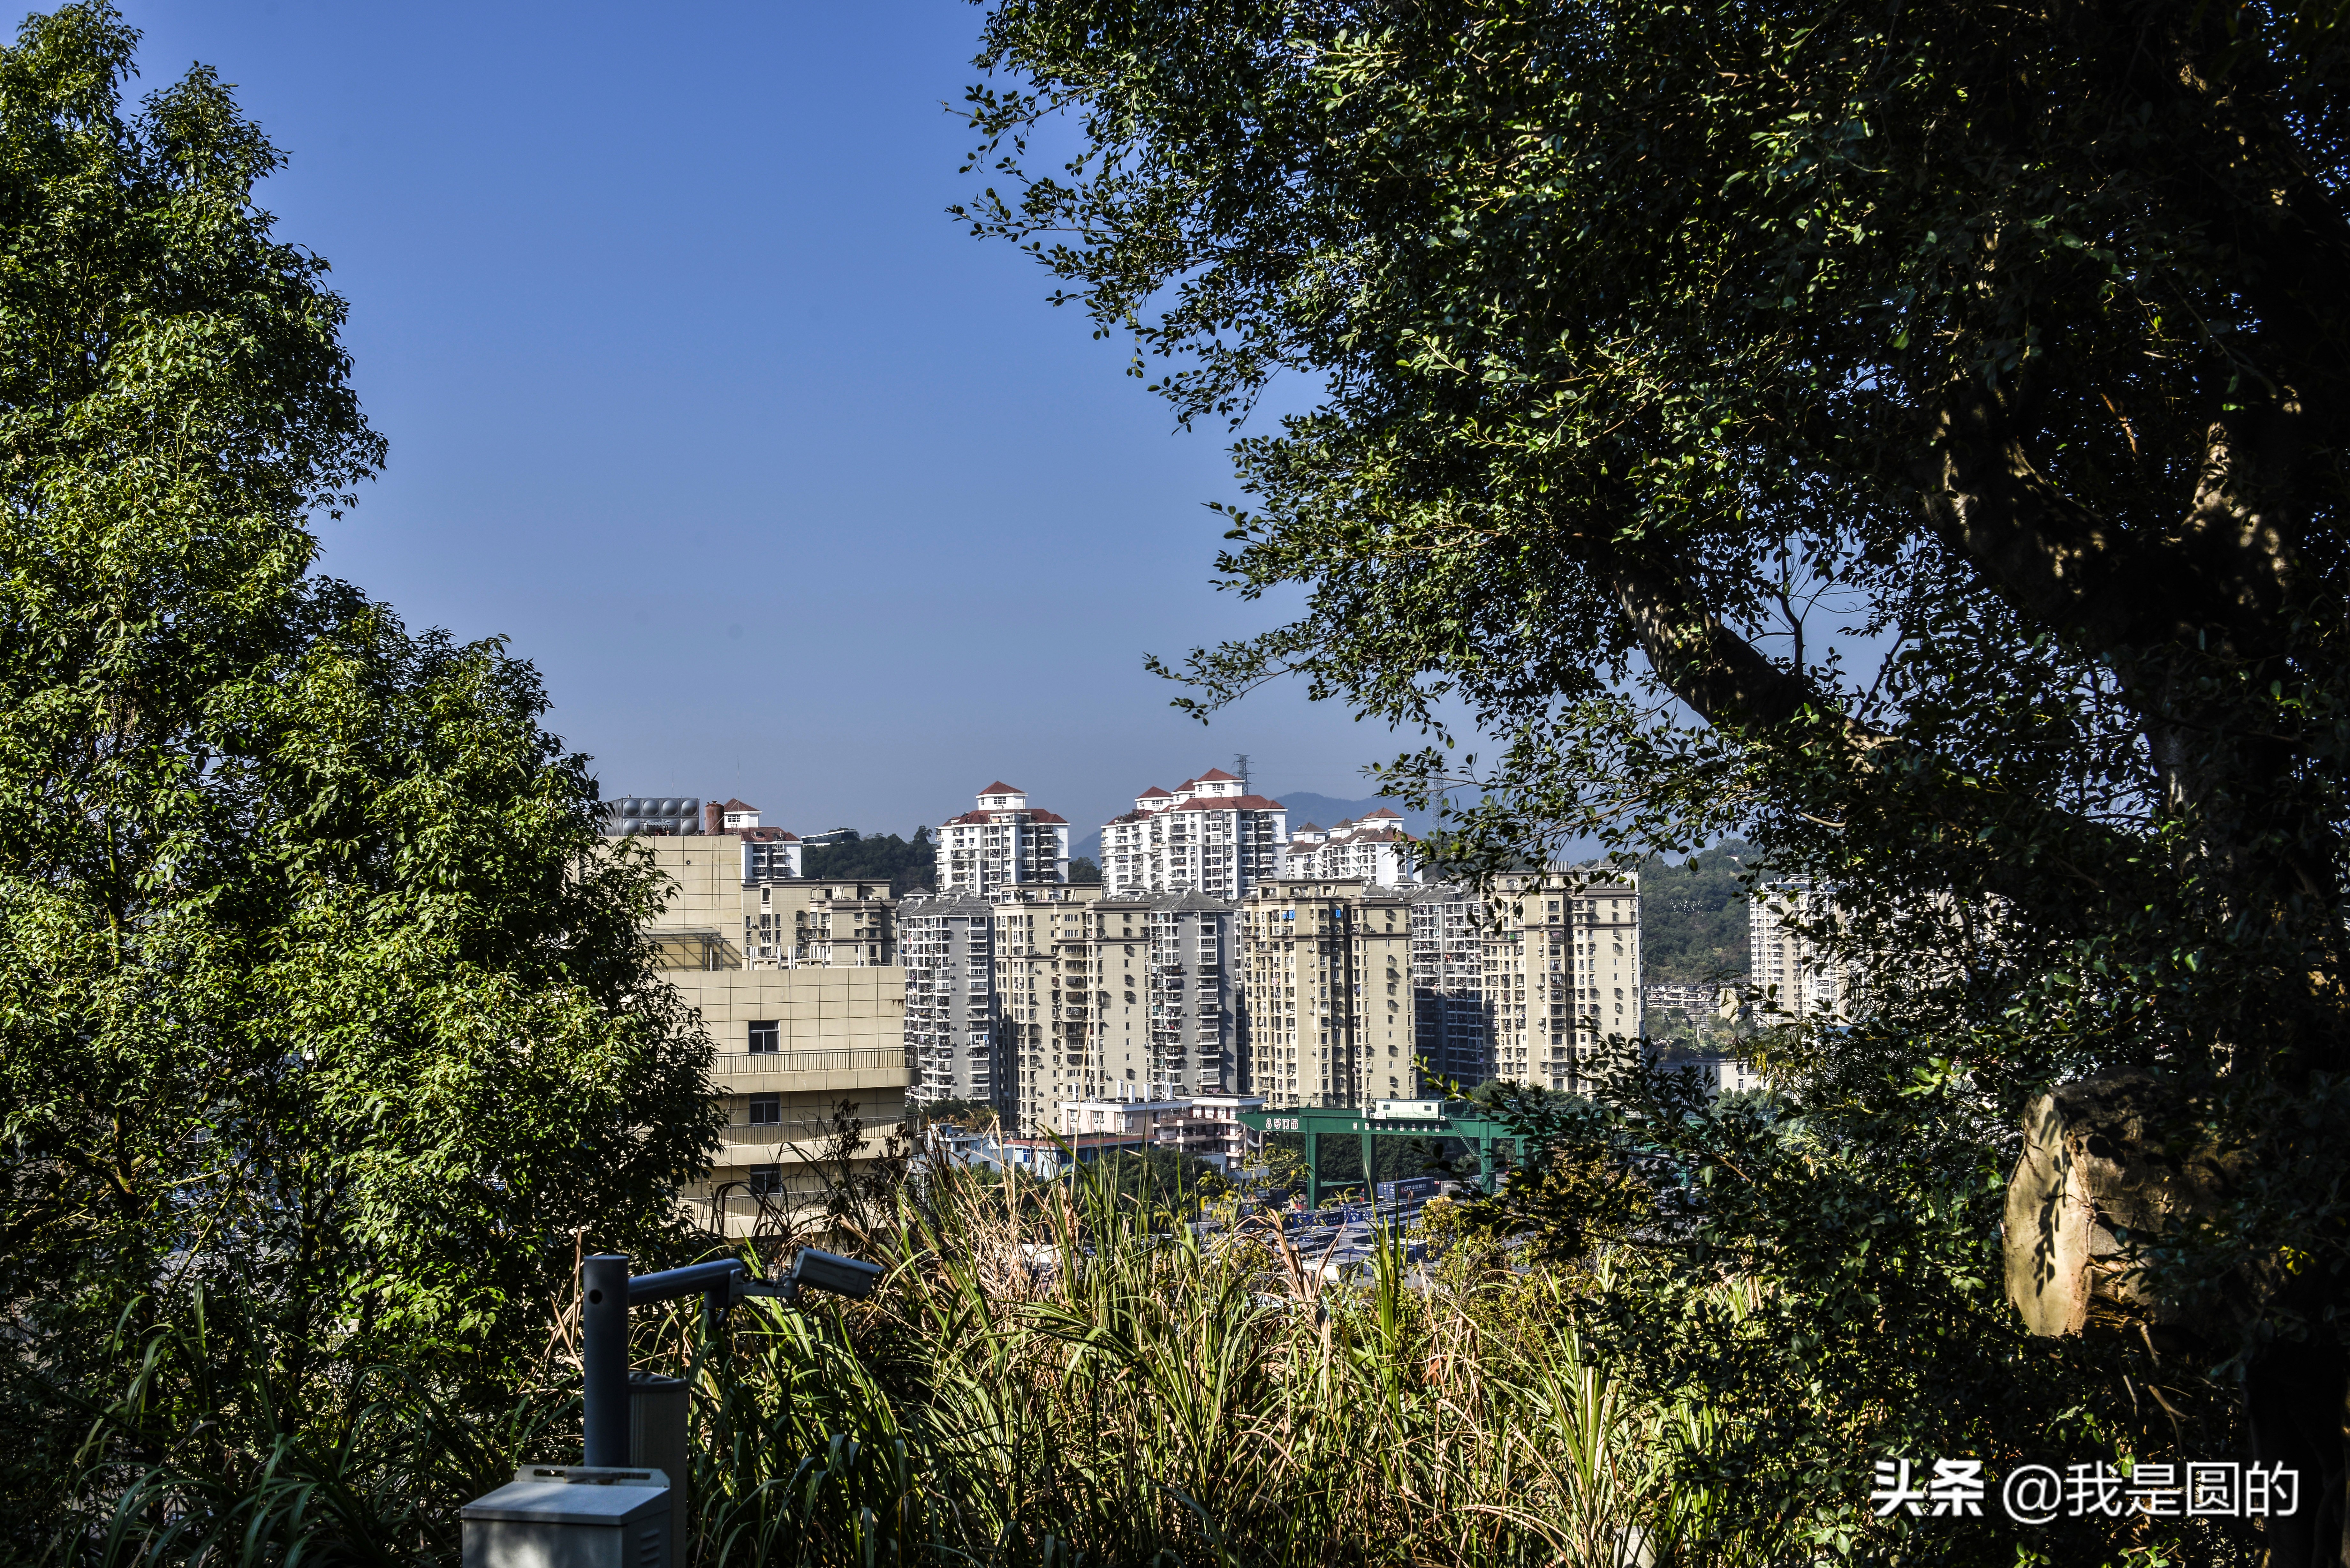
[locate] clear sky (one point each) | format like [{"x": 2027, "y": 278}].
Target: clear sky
[{"x": 791, "y": 489}]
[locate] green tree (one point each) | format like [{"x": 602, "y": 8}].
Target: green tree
[
  {"x": 1693, "y": 915},
  {"x": 321, "y": 1004},
  {"x": 908, "y": 863},
  {"x": 1084, "y": 872},
  {"x": 1660, "y": 345}
]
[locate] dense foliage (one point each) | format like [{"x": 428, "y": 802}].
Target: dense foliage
[
  {"x": 1662, "y": 346},
  {"x": 326, "y": 1034},
  {"x": 1693, "y": 915},
  {"x": 1052, "y": 1376},
  {"x": 908, "y": 863}
]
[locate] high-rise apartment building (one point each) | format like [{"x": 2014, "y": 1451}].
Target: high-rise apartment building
[
  {"x": 794, "y": 1045},
  {"x": 1561, "y": 970},
  {"x": 1042, "y": 1000},
  {"x": 1521, "y": 983},
  {"x": 1453, "y": 1032},
  {"x": 1208, "y": 835},
  {"x": 1327, "y": 1015},
  {"x": 846, "y": 923},
  {"x": 1375, "y": 849},
  {"x": 1801, "y": 977},
  {"x": 1166, "y": 1022},
  {"x": 1003, "y": 843},
  {"x": 946, "y": 944}
]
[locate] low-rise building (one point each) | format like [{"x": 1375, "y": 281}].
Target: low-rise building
[
  {"x": 801, "y": 1053},
  {"x": 1719, "y": 1076},
  {"x": 849, "y": 922}
]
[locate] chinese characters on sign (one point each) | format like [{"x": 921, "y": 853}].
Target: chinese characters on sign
[{"x": 2035, "y": 1494}]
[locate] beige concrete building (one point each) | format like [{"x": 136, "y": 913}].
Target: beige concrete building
[
  {"x": 797, "y": 1046},
  {"x": 1165, "y": 1005},
  {"x": 842, "y": 922},
  {"x": 1326, "y": 993},
  {"x": 1561, "y": 970},
  {"x": 1041, "y": 967}
]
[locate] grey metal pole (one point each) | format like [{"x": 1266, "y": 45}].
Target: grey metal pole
[{"x": 604, "y": 1356}]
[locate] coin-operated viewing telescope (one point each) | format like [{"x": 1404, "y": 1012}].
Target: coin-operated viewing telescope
[{"x": 625, "y": 1507}]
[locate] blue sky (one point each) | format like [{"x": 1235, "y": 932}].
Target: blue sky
[{"x": 791, "y": 489}]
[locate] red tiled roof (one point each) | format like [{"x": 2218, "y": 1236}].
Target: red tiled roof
[
  {"x": 1046, "y": 816},
  {"x": 1229, "y": 803},
  {"x": 737, "y": 806},
  {"x": 1383, "y": 811},
  {"x": 1153, "y": 792},
  {"x": 1000, "y": 787},
  {"x": 966, "y": 818},
  {"x": 767, "y": 835},
  {"x": 1217, "y": 775},
  {"x": 1304, "y": 827}
]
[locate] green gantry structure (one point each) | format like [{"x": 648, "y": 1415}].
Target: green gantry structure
[{"x": 1388, "y": 1118}]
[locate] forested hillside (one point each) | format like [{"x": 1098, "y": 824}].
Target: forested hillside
[
  {"x": 1693, "y": 915},
  {"x": 906, "y": 862}
]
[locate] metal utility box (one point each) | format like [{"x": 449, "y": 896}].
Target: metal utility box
[
  {"x": 660, "y": 1410},
  {"x": 572, "y": 1516}
]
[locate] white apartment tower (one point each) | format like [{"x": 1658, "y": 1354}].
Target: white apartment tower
[
  {"x": 1208, "y": 835},
  {"x": 1004, "y": 844},
  {"x": 1375, "y": 849},
  {"x": 1801, "y": 977},
  {"x": 946, "y": 944}
]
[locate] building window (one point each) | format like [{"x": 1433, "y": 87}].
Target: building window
[
  {"x": 766, "y": 1110},
  {"x": 766, "y": 1180},
  {"x": 764, "y": 1036}
]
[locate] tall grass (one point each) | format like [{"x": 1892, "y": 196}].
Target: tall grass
[{"x": 1052, "y": 1376}]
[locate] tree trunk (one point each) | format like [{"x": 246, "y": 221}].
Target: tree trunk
[
  {"x": 2088, "y": 1171},
  {"x": 2094, "y": 1164}
]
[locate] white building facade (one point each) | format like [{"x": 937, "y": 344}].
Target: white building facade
[
  {"x": 1004, "y": 844},
  {"x": 1374, "y": 849},
  {"x": 946, "y": 943},
  {"x": 1208, "y": 835},
  {"x": 1799, "y": 977}
]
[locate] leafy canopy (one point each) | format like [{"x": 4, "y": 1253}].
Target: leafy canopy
[
  {"x": 318, "y": 1006},
  {"x": 1662, "y": 351}
]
